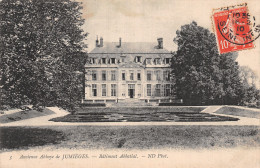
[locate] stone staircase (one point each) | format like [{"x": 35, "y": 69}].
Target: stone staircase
[{"x": 130, "y": 103}]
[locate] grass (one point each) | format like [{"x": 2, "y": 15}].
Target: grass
[
  {"x": 24, "y": 137},
  {"x": 239, "y": 112},
  {"x": 130, "y": 137},
  {"x": 24, "y": 115}
]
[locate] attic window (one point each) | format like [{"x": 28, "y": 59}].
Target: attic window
[
  {"x": 167, "y": 60},
  {"x": 103, "y": 60},
  {"x": 157, "y": 61},
  {"x": 148, "y": 61},
  {"x": 123, "y": 58},
  {"x": 113, "y": 60},
  {"x": 138, "y": 59},
  {"x": 93, "y": 60}
]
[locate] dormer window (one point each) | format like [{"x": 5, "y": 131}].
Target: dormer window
[
  {"x": 123, "y": 58},
  {"x": 138, "y": 59},
  {"x": 148, "y": 61},
  {"x": 113, "y": 60},
  {"x": 93, "y": 60},
  {"x": 103, "y": 60},
  {"x": 167, "y": 60},
  {"x": 157, "y": 61}
]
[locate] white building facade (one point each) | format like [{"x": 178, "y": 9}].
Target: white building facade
[{"x": 128, "y": 71}]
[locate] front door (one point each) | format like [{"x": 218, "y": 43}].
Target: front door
[{"x": 131, "y": 90}]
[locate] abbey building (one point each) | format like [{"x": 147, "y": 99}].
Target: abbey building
[{"x": 122, "y": 71}]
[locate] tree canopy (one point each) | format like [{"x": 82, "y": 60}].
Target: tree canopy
[
  {"x": 202, "y": 75},
  {"x": 251, "y": 95},
  {"x": 41, "y": 48}
]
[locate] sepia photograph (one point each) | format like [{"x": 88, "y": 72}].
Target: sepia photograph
[{"x": 129, "y": 83}]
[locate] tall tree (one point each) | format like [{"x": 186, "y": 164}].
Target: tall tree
[
  {"x": 202, "y": 76},
  {"x": 251, "y": 95},
  {"x": 248, "y": 76},
  {"x": 39, "y": 38}
]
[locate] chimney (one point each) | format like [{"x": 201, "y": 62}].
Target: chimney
[
  {"x": 101, "y": 42},
  {"x": 160, "y": 43},
  {"x": 97, "y": 45},
  {"x": 120, "y": 42}
]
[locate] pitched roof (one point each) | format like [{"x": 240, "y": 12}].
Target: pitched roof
[{"x": 129, "y": 48}]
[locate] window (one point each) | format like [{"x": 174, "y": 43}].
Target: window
[
  {"x": 167, "y": 60},
  {"x": 123, "y": 89},
  {"x": 149, "y": 75},
  {"x": 94, "y": 75},
  {"x": 93, "y": 60},
  {"x": 131, "y": 75},
  {"x": 104, "y": 75},
  {"x": 113, "y": 75},
  {"x": 139, "y": 90},
  {"x": 148, "y": 61},
  {"x": 149, "y": 90},
  {"x": 94, "y": 90},
  {"x": 158, "y": 90},
  {"x": 123, "y": 76},
  {"x": 122, "y": 58},
  {"x": 103, "y": 60},
  {"x": 167, "y": 90},
  {"x": 138, "y": 76},
  {"x": 113, "y": 89},
  {"x": 157, "y": 61},
  {"x": 158, "y": 75},
  {"x": 138, "y": 59},
  {"x": 166, "y": 75},
  {"x": 113, "y": 60},
  {"x": 104, "y": 90}
]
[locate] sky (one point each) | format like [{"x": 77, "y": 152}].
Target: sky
[{"x": 146, "y": 20}]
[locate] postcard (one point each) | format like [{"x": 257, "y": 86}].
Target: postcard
[{"x": 130, "y": 83}]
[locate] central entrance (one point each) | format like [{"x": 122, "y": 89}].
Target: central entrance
[{"x": 131, "y": 90}]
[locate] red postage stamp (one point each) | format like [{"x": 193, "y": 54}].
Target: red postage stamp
[{"x": 235, "y": 28}]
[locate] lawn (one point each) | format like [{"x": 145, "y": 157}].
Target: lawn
[
  {"x": 129, "y": 137},
  {"x": 24, "y": 115},
  {"x": 24, "y": 137},
  {"x": 251, "y": 113}
]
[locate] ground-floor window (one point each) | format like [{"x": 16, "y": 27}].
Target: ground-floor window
[
  {"x": 167, "y": 90},
  {"x": 158, "y": 90},
  {"x": 123, "y": 89},
  {"x": 94, "y": 90},
  {"x": 104, "y": 90},
  {"x": 139, "y": 90},
  {"x": 113, "y": 89},
  {"x": 149, "y": 90}
]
